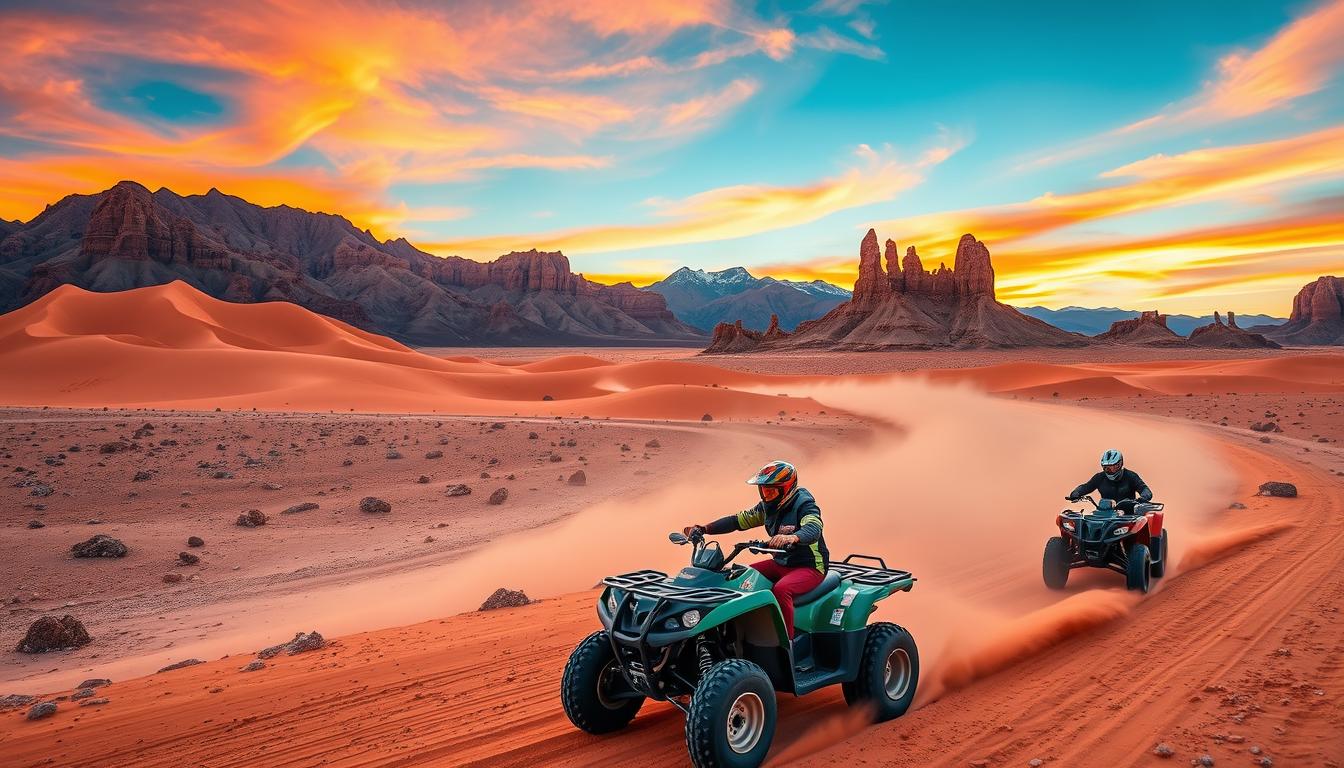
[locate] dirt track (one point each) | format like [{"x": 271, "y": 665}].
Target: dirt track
[{"x": 1199, "y": 659}]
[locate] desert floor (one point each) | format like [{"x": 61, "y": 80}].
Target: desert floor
[{"x": 1241, "y": 646}]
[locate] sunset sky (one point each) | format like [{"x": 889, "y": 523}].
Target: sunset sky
[{"x": 1180, "y": 156}]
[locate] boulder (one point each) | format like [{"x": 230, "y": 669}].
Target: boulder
[
  {"x": 252, "y": 518},
  {"x": 301, "y": 643},
  {"x": 1285, "y": 490},
  {"x": 181, "y": 665},
  {"x": 578, "y": 478},
  {"x": 101, "y": 545},
  {"x": 195, "y": 541},
  {"x": 187, "y": 558},
  {"x": 304, "y": 506},
  {"x": 52, "y": 634},
  {"x": 44, "y": 709},
  {"x": 499, "y": 496},
  {"x": 458, "y": 489},
  {"x": 374, "y": 506},
  {"x": 504, "y": 598}
]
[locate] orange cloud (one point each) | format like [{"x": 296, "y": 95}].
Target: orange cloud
[
  {"x": 379, "y": 91},
  {"x": 723, "y": 213},
  {"x": 1162, "y": 182}
]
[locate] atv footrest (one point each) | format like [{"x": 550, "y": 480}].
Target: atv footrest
[
  {"x": 871, "y": 575},
  {"x": 655, "y": 584}
]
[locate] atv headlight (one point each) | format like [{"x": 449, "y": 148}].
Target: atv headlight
[
  {"x": 611, "y": 603},
  {"x": 1068, "y": 526},
  {"x": 690, "y": 618},
  {"x": 1119, "y": 530}
]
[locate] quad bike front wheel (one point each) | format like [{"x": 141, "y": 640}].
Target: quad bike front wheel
[
  {"x": 888, "y": 672},
  {"x": 1138, "y": 568},
  {"x": 1159, "y": 567},
  {"x": 732, "y": 716},
  {"x": 595, "y": 694},
  {"x": 1055, "y": 564}
]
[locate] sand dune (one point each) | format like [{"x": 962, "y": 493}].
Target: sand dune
[{"x": 171, "y": 346}]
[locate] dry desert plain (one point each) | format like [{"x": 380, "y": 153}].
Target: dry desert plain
[{"x": 949, "y": 464}]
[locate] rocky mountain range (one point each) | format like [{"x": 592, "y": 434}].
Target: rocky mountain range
[
  {"x": 129, "y": 237},
  {"x": 705, "y": 299},
  {"x": 1091, "y": 321},
  {"x": 1317, "y": 318},
  {"x": 905, "y": 306}
]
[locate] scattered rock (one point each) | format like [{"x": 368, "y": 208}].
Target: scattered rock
[
  {"x": 547, "y": 398},
  {"x": 458, "y": 490},
  {"x": 374, "y": 505},
  {"x": 1204, "y": 760},
  {"x": 1266, "y": 426},
  {"x": 653, "y": 444},
  {"x": 393, "y": 453},
  {"x": 94, "y": 682},
  {"x": 15, "y": 701},
  {"x": 497, "y": 425},
  {"x": 254, "y": 666},
  {"x": 101, "y": 545},
  {"x": 555, "y": 458},
  {"x": 141, "y": 476},
  {"x": 41, "y": 490},
  {"x": 222, "y": 475},
  {"x": 36, "y": 524},
  {"x": 1035, "y": 762},
  {"x": 625, "y": 447},
  {"x": 195, "y": 541},
  {"x": 499, "y": 496},
  {"x": 181, "y": 664},
  {"x": 39, "y": 711},
  {"x": 422, "y": 479},
  {"x": 706, "y": 417},
  {"x": 300, "y": 507},
  {"x": 1266, "y": 440},
  {"x": 98, "y": 702},
  {"x": 434, "y": 455},
  {"x": 1236, "y": 505},
  {"x": 116, "y": 446},
  {"x": 1286, "y": 490},
  {"x": 301, "y": 643},
  {"x": 186, "y": 558},
  {"x": 252, "y": 518},
  {"x": 504, "y": 598},
  {"x": 172, "y": 578},
  {"x": 578, "y": 478},
  {"x": 82, "y": 693},
  {"x": 272, "y": 487},
  {"x": 1163, "y": 750},
  {"x": 532, "y": 436},
  {"x": 360, "y": 440}
]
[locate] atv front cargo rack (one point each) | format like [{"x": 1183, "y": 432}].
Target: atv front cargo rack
[
  {"x": 871, "y": 575},
  {"x": 654, "y": 584}
]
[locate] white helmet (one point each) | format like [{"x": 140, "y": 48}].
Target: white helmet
[{"x": 1112, "y": 458}]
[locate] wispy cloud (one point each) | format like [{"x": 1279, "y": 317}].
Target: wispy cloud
[
  {"x": 876, "y": 175},
  {"x": 1301, "y": 59}
]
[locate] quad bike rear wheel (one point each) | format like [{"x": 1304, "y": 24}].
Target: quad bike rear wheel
[
  {"x": 1159, "y": 567},
  {"x": 1055, "y": 565},
  {"x": 888, "y": 672},
  {"x": 595, "y": 694},
  {"x": 732, "y": 716},
  {"x": 1138, "y": 566}
]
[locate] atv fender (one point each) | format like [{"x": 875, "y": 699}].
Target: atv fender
[
  {"x": 757, "y": 616},
  {"x": 1155, "y": 525}
]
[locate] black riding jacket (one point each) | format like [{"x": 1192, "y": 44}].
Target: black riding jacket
[
  {"x": 799, "y": 516},
  {"x": 1127, "y": 486}
]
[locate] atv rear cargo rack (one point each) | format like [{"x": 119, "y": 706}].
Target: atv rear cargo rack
[
  {"x": 871, "y": 575},
  {"x": 654, "y": 584}
]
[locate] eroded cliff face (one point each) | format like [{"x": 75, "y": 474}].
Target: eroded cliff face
[
  {"x": 1148, "y": 329},
  {"x": 1317, "y": 318},
  {"x": 906, "y": 306},
  {"x": 1228, "y": 336},
  {"x": 129, "y": 237}
]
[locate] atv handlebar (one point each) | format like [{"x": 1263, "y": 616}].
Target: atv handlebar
[{"x": 1133, "y": 504}]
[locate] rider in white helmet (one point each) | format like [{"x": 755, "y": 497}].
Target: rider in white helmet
[{"x": 1114, "y": 482}]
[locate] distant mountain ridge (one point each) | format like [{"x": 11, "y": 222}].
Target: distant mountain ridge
[
  {"x": 1091, "y": 321},
  {"x": 705, "y": 299},
  {"x": 128, "y": 237}
]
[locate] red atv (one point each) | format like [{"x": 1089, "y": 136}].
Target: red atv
[{"x": 1124, "y": 536}]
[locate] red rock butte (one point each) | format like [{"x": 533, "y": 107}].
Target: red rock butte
[{"x": 909, "y": 307}]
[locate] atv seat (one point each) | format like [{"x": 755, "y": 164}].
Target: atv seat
[{"x": 828, "y": 583}]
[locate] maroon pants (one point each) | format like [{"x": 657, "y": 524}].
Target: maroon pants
[{"x": 788, "y": 584}]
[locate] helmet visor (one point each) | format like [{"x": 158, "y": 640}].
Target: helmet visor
[
  {"x": 1111, "y": 469},
  {"x": 769, "y": 492}
]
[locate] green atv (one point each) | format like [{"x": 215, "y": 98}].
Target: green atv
[{"x": 712, "y": 641}]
